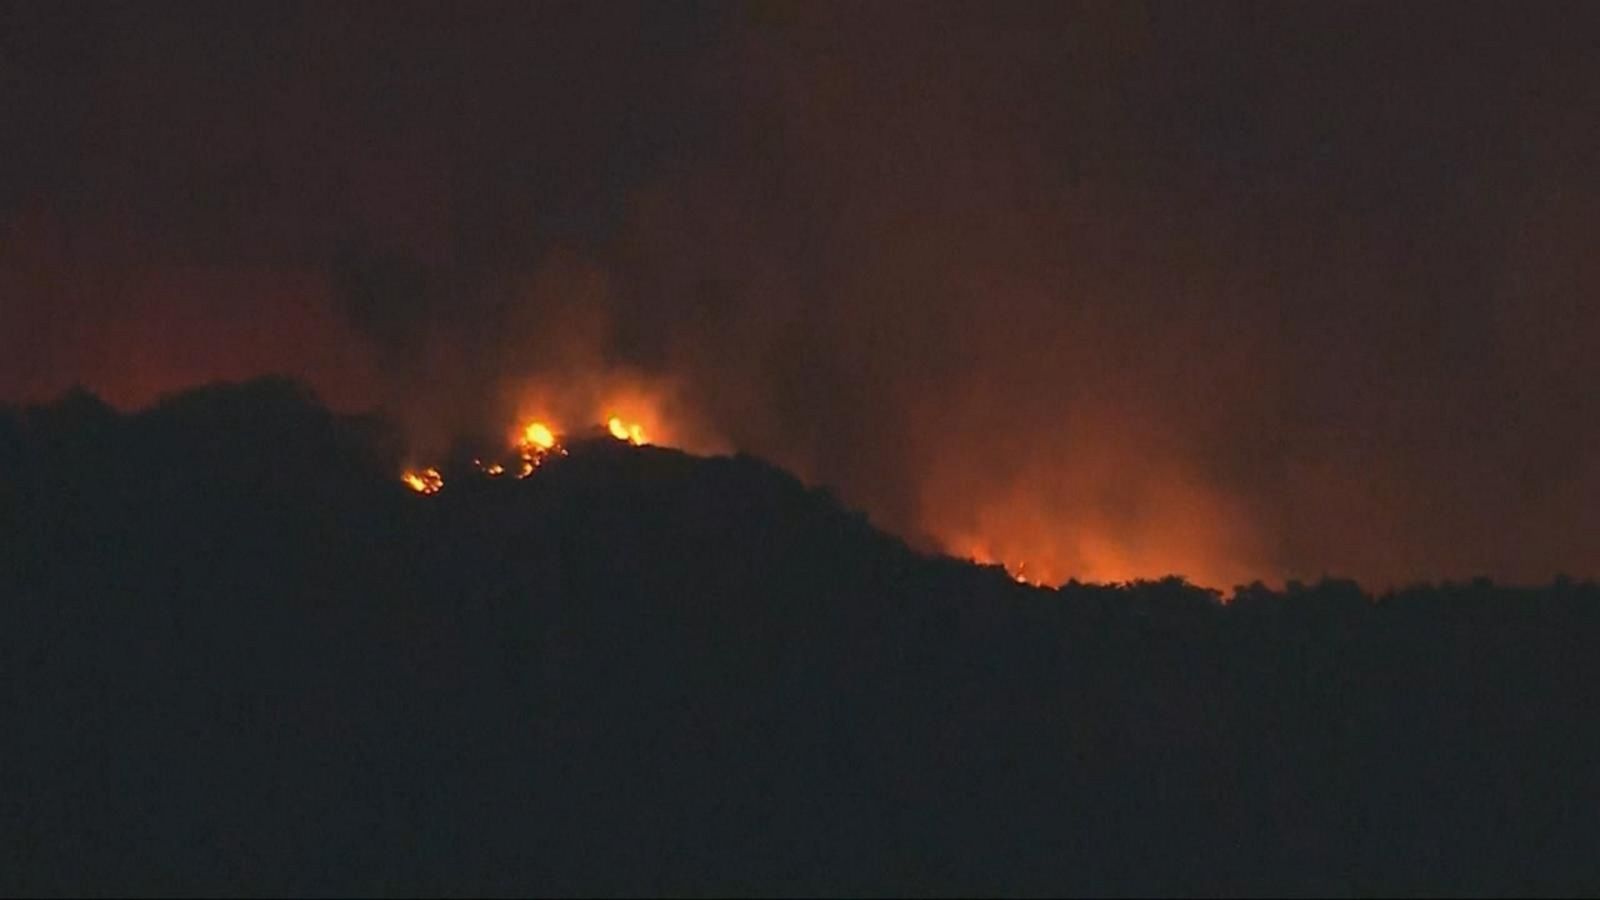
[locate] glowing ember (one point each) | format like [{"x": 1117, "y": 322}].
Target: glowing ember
[
  {"x": 1019, "y": 575},
  {"x": 424, "y": 481},
  {"x": 493, "y": 470},
  {"x": 1017, "y": 571},
  {"x": 631, "y": 432}
]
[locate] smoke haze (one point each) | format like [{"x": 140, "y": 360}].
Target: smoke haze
[{"x": 1118, "y": 290}]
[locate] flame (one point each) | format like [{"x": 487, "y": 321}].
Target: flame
[
  {"x": 1028, "y": 548},
  {"x": 630, "y": 406},
  {"x": 423, "y": 481},
  {"x": 1019, "y": 574},
  {"x": 980, "y": 553},
  {"x": 538, "y": 436},
  {"x": 1039, "y": 525},
  {"x": 632, "y": 432},
  {"x": 534, "y": 442}
]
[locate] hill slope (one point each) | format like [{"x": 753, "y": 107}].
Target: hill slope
[{"x": 240, "y": 656}]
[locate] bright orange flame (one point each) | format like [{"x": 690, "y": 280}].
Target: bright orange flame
[
  {"x": 534, "y": 442},
  {"x": 632, "y": 432},
  {"x": 424, "y": 481},
  {"x": 494, "y": 470},
  {"x": 538, "y": 435}
]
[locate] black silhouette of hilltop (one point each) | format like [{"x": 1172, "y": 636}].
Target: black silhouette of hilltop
[{"x": 240, "y": 656}]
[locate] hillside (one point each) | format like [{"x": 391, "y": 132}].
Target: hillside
[{"x": 239, "y": 655}]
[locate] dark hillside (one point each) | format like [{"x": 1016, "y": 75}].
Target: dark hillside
[{"x": 240, "y": 656}]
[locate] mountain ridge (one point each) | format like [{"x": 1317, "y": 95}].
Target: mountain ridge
[{"x": 243, "y": 657}]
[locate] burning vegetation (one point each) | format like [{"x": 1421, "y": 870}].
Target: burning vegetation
[
  {"x": 536, "y": 438},
  {"x": 423, "y": 481},
  {"x": 538, "y": 441},
  {"x": 533, "y": 445},
  {"x": 632, "y": 432}
]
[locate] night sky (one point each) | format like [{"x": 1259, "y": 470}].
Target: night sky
[{"x": 1232, "y": 290}]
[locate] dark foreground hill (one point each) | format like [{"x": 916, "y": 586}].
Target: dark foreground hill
[{"x": 239, "y": 656}]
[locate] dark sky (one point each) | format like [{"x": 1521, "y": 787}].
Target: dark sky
[{"x": 1234, "y": 290}]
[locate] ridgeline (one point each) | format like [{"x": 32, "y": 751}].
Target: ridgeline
[{"x": 240, "y": 656}]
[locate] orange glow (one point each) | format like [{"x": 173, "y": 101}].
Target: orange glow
[
  {"x": 632, "y": 432},
  {"x": 1041, "y": 525},
  {"x": 1192, "y": 531},
  {"x": 423, "y": 481},
  {"x": 1027, "y": 525},
  {"x": 1042, "y": 514}
]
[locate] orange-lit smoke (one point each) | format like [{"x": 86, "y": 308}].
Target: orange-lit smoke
[
  {"x": 1045, "y": 539},
  {"x": 983, "y": 276}
]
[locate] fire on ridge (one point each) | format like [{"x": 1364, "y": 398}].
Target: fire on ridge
[
  {"x": 537, "y": 441},
  {"x": 534, "y": 444}
]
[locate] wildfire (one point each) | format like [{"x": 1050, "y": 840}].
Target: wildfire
[
  {"x": 1015, "y": 532},
  {"x": 423, "y": 481},
  {"x": 534, "y": 443},
  {"x": 632, "y": 432}
]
